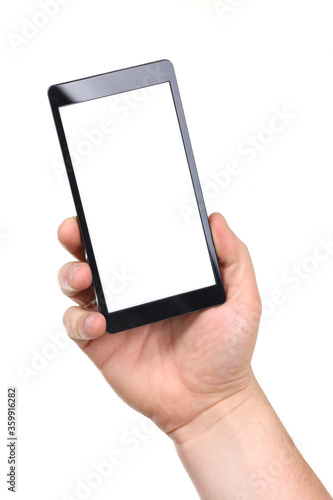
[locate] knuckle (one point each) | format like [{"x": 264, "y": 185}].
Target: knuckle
[
  {"x": 60, "y": 277},
  {"x": 63, "y": 280},
  {"x": 245, "y": 248},
  {"x": 70, "y": 323}
]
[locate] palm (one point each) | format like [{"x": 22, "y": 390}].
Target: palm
[{"x": 174, "y": 369}]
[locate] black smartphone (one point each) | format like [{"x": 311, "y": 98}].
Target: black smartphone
[{"x": 130, "y": 166}]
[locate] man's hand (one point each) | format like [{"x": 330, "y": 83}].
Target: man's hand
[
  {"x": 192, "y": 376},
  {"x": 180, "y": 371}
]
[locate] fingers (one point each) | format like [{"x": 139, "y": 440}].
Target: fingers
[
  {"x": 69, "y": 236},
  {"x": 84, "y": 325},
  {"x": 234, "y": 259},
  {"x": 75, "y": 280}
]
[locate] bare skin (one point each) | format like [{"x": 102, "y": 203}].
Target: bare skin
[{"x": 192, "y": 374}]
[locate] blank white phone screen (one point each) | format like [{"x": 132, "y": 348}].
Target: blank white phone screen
[{"x": 135, "y": 186}]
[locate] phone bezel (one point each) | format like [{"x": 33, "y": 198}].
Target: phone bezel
[{"x": 112, "y": 83}]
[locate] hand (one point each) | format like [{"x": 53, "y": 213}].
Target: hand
[{"x": 179, "y": 371}]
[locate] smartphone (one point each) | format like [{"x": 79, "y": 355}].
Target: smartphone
[{"x": 131, "y": 168}]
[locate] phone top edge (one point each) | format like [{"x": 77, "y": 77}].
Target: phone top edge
[{"x": 54, "y": 86}]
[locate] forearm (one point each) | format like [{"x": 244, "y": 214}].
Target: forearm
[{"x": 245, "y": 454}]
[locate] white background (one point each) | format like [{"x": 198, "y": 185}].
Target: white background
[{"x": 233, "y": 71}]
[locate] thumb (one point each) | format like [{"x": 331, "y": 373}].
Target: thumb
[{"x": 234, "y": 260}]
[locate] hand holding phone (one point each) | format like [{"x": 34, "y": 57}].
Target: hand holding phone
[{"x": 172, "y": 370}]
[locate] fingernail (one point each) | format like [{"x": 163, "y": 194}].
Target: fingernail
[
  {"x": 72, "y": 270},
  {"x": 89, "y": 320}
]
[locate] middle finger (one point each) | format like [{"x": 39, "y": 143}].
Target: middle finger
[{"x": 75, "y": 280}]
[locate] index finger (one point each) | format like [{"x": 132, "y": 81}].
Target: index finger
[{"x": 69, "y": 236}]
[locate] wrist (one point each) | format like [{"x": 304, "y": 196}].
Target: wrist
[
  {"x": 220, "y": 414},
  {"x": 239, "y": 449}
]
